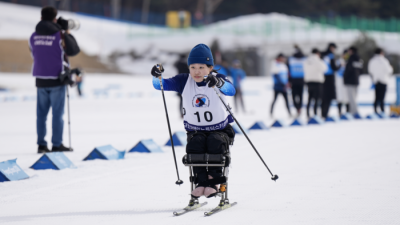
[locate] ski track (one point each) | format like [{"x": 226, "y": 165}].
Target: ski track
[{"x": 344, "y": 173}]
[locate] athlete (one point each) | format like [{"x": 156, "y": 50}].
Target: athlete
[
  {"x": 279, "y": 71},
  {"x": 206, "y": 119}
]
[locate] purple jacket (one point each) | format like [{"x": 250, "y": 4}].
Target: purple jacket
[
  {"x": 50, "y": 48},
  {"x": 48, "y": 55}
]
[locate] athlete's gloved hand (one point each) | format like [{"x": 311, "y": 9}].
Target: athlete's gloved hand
[
  {"x": 157, "y": 70},
  {"x": 63, "y": 23},
  {"x": 212, "y": 81}
]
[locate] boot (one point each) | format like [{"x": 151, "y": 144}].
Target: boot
[
  {"x": 61, "y": 148},
  {"x": 198, "y": 192},
  {"x": 212, "y": 190},
  {"x": 43, "y": 149}
]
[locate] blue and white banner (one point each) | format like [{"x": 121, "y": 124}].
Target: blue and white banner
[
  {"x": 148, "y": 146},
  {"x": 53, "y": 160},
  {"x": 107, "y": 152},
  {"x": 10, "y": 171}
]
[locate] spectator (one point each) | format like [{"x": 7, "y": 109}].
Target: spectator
[
  {"x": 296, "y": 77},
  {"x": 279, "y": 71},
  {"x": 238, "y": 75},
  {"x": 50, "y": 58},
  {"x": 223, "y": 68},
  {"x": 329, "y": 92},
  {"x": 341, "y": 94},
  {"x": 351, "y": 74},
  {"x": 380, "y": 70},
  {"x": 314, "y": 69}
]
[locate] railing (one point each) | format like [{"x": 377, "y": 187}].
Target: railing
[
  {"x": 134, "y": 15},
  {"x": 364, "y": 24}
]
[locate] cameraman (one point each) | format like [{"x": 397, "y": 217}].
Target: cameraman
[{"x": 51, "y": 44}]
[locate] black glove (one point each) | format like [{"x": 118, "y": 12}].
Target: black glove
[
  {"x": 212, "y": 81},
  {"x": 157, "y": 70},
  {"x": 63, "y": 23}
]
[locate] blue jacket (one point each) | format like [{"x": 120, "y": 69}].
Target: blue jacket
[
  {"x": 329, "y": 59},
  {"x": 280, "y": 76},
  {"x": 237, "y": 76},
  {"x": 178, "y": 82},
  {"x": 222, "y": 70},
  {"x": 296, "y": 67}
]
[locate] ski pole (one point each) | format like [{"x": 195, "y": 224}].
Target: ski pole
[
  {"x": 274, "y": 177},
  {"x": 179, "y": 181},
  {"x": 69, "y": 120}
]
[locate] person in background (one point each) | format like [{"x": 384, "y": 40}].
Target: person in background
[
  {"x": 182, "y": 67},
  {"x": 380, "y": 70},
  {"x": 329, "y": 92},
  {"x": 351, "y": 78},
  {"x": 296, "y": 77},
  {"x": 50, "y": 45},
  {"x": 223, "y": 67},
  {"x": 280, "y": 74},
  {"x": 238, "y": 74},
  {"x": 341, "y": 94},
  {"x": 314, "y": 70}
]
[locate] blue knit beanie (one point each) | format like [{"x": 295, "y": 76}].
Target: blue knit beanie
[{"x": 201, "y": 53}]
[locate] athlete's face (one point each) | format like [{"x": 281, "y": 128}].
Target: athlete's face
[{"x": 198, "y": 71}]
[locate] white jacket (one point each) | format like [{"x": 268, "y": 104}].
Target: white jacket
[
  {"x": 380, "y": 69},
  {"x": 314, "y": 69}
]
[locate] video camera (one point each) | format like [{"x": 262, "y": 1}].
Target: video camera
[
  {"x": 66, "y": 76},
  {"x": 68, "y": 24}
]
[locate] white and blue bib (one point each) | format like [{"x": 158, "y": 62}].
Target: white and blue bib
[{"x": 202, "y": 108}]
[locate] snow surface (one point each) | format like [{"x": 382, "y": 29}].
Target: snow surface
[{"x": 344, "y": 173}]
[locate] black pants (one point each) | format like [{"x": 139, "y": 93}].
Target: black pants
[
  {"x": 297, "y": 95},
  {"x": 314, "y": 94},
  {"x": 328, "y": 94},
  {"x": 213, "y": 142},
  {"x": 339, "y": 105},
  {"x": 380, "y": 92},
  {"x": 284, "y": 94},
  {"x": 239, "y": 97}
]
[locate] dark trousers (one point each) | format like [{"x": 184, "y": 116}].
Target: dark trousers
[
  {"x": 314, "y": 94},
  {"x": 328, "y": 94},
  {"x": 284, "y": 94},
  {"x": 297, "y": 95},
  {"x": 380, "y": 92},
  {"x": 340, "y": 105},
  {"x": 239, "y": 97},
  {"x": 213, "y": 142}
]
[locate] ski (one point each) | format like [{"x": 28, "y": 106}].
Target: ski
[
  {"x": 189, "y": 208},
  {"x": 219, "y": 209}
]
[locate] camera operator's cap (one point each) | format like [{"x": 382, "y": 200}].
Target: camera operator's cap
[
  {"x": 49, "y": 13},
  {"x": 201, "y": 53}
]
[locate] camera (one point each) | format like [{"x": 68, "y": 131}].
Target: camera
[
  {"x": 74, "y": 24},
  {"x": 69, "y": 24},
  {"x": 66, "y": 76}
]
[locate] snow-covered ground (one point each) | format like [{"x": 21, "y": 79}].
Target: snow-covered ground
[{"x": 343, "y": 173}]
